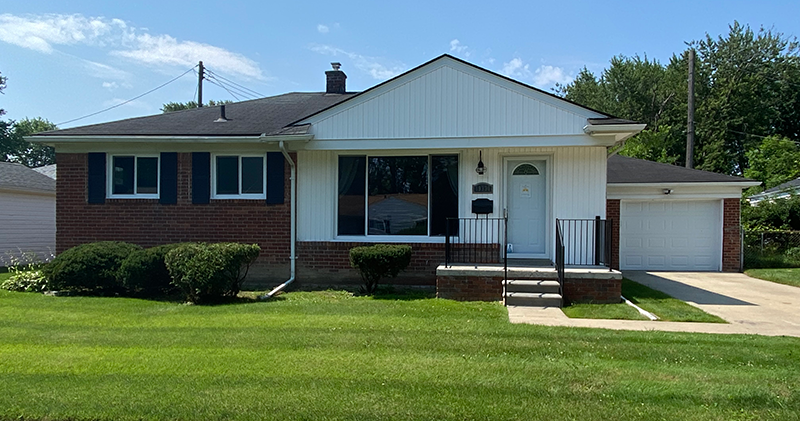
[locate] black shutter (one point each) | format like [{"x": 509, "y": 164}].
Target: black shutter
[
  {"x": 169, "y": 178},
  {"x": 201, "y": 177},
  {"x": 97, "y": 177},
  {"x": 275, "y": 178}
]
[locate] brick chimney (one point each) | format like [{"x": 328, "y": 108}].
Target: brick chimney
[{"x": 336, "y": 80}]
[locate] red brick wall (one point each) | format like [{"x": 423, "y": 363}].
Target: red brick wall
[
  {"x": 327, "y": 262},
  {"x": 148, "y": 223},
  {"x": 612, "y": 213},
  {"x": 470, "y": 288},
  {"x": 731, "y": 236},
  {"x": 598, "y": 291}
]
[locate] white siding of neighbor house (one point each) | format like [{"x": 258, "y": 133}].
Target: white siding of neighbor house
[
  {"x": 576, "y": 177},
  {"x": 27, "y": 224},
  {"x": 449, "y": 99}
]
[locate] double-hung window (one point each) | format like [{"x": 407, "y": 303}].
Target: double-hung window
[
  {"x": 239, "y": 177},
  {"x": 134, "y": 176},
  {"x": 396, "y": 195}
]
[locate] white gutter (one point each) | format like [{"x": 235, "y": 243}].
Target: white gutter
[
  {"x": 620, "y": 131},
  {"x": 172, "y": 139},
  {"x": 293, "y": 211}
]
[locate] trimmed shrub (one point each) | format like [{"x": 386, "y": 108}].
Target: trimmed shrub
[
  {"x": 144, "y": 272},
  {"x": 210, "y": 272},
  {"x": 378, "y": 261},
  {"x": 89, "y": 267}
]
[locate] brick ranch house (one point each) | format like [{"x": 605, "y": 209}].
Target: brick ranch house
[{"x": 308, "y": 176}]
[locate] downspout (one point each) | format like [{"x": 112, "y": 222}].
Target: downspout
[{"x": 293, "y": 211}]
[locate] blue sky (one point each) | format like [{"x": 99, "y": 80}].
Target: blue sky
[{"x": 65, "y": 60}]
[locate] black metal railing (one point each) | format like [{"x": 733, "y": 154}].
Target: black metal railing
[
  {"x": 475, "y": 241},
  {"x": 559, "y": 260},
  {"x": 586, "y": 242}
]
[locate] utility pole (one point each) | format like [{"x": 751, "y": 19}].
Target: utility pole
[
  {"x": 690, "y": 117},
  {"x": 200, "y": 85}
]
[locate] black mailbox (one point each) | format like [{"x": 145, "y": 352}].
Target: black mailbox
[{"x": 482, "y": 206}]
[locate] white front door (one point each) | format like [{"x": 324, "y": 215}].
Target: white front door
[{"x": 527, "y": 207}]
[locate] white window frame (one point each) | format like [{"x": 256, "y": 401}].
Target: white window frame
[
  {"x": 110, "y": 176},
  {"x": 249, "y": 196}
]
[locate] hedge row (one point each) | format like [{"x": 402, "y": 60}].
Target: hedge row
[{"x": 202, "y": 272}]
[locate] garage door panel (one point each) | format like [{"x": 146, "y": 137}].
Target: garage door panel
[{"x": 670, "y": 235}]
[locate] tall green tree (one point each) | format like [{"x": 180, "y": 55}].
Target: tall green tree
[
  {"x": 774, "y": 161},
  {"x": 14, "y": 147},
  {"x": 747, "y": 87},
  {"x": 179, "y": 106}
]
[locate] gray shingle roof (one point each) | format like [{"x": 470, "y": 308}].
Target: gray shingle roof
[
  {"x": 19, "y": 177},
  {"x": 268, "y": 115},
  {"x": 793, "y": 184},
  {"x": 622, "y": 169},
  {"x": 48, "y": 170}
]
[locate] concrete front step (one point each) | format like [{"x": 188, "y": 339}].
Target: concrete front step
[
  {"x": 529, "y": 285},
  {"x": 532, "y": 299}
]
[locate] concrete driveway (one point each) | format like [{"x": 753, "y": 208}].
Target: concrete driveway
[{"x": 750, "y": 305}]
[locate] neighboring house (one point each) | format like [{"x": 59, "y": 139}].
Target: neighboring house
[
  {"x": 27, "y": 213},
  {"x": 312, "y": 175},
  {"x": 782, "y": 191}
]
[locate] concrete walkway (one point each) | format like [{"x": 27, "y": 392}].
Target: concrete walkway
[{"x": 751, "y": 306}]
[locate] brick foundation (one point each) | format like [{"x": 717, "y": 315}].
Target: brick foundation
[
  {"x": 596, "y": 291},
  {"x": 470, "y": 288},
  {"x": 148, "y": 223},
  {"x": 328, "y": 262},
  {"x": 731, "y": 236}
]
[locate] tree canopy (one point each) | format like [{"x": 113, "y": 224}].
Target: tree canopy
[
  {"x": 14, "y": 148},
  {"x": 178, "y": 106},
  {"x": 747, "y": 88}
]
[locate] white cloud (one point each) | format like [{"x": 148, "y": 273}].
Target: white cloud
[
  {"x": 376, "y": 67},
  {"x": 516, "y": 68},
  {"x": 166, "y": 50},
  {"x": 544, "y": 76},
  {"x": 457, "y": 48},
  {"x": 110, "y": 85},
  {"x": 40, "y": 33},
  {"x": 44, "y": 32},
  {"x": 323, "y": 29},
  {"x": 550, "y": 75},
  {"x": 103, "y": 71}
]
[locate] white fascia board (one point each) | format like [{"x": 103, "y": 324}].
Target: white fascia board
[
  {"x": 54, "y": 140},
  {"x": 679, "y": 191},
  {"x": 619, "y": 131},
  {"x": 454, "y": 143}
]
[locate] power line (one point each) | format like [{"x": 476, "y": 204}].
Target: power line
[
  {"x": 259, "y": 95},
  {"x": 130, "y": 100},
  {"x": 230, "y": 88},
  {"x": 223, "y": 87}
]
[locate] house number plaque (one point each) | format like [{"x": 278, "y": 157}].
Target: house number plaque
[{"x": 482, "y": 188}]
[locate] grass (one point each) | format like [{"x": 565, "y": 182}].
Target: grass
[
  {"x": 781, "y": 276},
  {"x": 656, "y": 302},
  {"x": 331, "y": 355},
  {"x": 4, "y": 276}
]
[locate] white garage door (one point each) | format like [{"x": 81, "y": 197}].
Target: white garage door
[{"x": 670, "y": 235}]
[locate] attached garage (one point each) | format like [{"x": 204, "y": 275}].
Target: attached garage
[
  {"x": 671, "y": 235},
  {"x": 671, "y": 218}
]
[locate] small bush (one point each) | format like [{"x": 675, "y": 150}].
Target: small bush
[
  {"x": 26, "y": 281},
  {"x": 89, "y": 267},
  {"x": 378, "y": 261},
  {"x": 144, "y": 272},
  {"x": 210, "y": 272}
]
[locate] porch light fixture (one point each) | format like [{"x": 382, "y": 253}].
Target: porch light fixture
[
  {"x": 480, "y": 169},
  {"x": 667, "y": 191}
]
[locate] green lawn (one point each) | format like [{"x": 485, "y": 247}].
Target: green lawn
[
  {"x": 662, "y": 305},
  {"x": 4, "y": 276},
  {"x": 781, "y": 276},
  {"x": 329, "y": 355}
]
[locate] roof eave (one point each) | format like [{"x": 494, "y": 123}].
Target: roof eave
[
  {"x": 619, "y": 131},
  {"x": 52, "y": 140},
  {"x": 742, "y": 184}
]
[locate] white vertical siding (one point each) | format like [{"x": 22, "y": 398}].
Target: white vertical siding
[
  {"x": 576, "y": 185},
  {"x": 316, "y": 195},
  {"x": 450, "y": 101},
  {"x": 27, "y": 224}
]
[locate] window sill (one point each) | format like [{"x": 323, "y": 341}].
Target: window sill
[
  {"x": 389, "y": 239},
  {"x": 133, "y": 196},
  {"x": 238, "y": 197}
]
